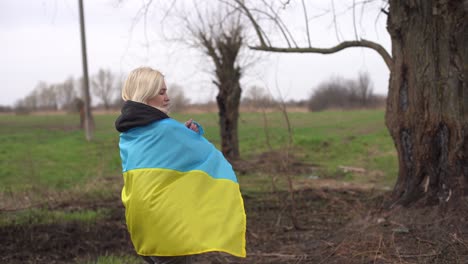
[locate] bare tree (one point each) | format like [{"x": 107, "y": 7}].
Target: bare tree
[
  {"x": 287, "y": 163},
  {"x": 66, "y": 93},
  {"x": 43, "y": 97},
  {"x": 104, "y": 87},
  {"x": 330, "y": 94},
  {"x": 427, "y": 101},
  {"x": 258, "y": 98},
  {"x": 47, "y": 96},
  {"x": 364, "y": 88},
  {"x": 343, "y": 94},
  {"x": 117, "y": 101},
  {"x": 178, "y": 99},
  {"x": 31, "y": 101},
  {"x": 216, "y": 31},
  {"x": 223, "y": 48}
]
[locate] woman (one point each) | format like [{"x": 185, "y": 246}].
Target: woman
[{"x": 181, "y": 196}]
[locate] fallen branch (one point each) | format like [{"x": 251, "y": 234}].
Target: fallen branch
[
  {"x": 425, "y": 241},
  {"x": 277, "y": 255},
  {"x": 332, "y": 253},
  {"x": 456, "y": 238},
  {"x": 352, "y": 169},
  {"x": 394, "y": 246},
  {"x": 421, "y": 255},
  {"x": 378, "y": 249}
]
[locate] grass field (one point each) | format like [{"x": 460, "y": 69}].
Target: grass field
[{"x": 49, "y": 151}]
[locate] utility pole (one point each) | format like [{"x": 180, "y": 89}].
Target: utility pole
[{"x": 88, "y": 122}]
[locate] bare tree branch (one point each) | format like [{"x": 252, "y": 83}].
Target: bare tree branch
[
  {"x": 334, "y": 21},
  {"x": 145, "y": 26},
  {"x": 343, "y": 45},
  {"x": 354, "y": 20},
  {"x": 262, "y": 32},
  {"x": 254, "y": 22},
  {"x": 306, "y": 23},
  {"x": 382, "y": 10},
  {"x": 275, "y": 18},
  {"x": 279, "y": 22},
  {"x": 210, "y": 48}
]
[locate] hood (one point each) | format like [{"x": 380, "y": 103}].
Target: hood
[{"x": 136, "y": 114}]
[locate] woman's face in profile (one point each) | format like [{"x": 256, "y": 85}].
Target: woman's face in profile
[{"x": 161, "y": 100}]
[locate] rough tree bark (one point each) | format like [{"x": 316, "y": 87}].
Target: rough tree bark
[
  {"x": 427, "y": 105},
  {"x": 228, "y": 100}
]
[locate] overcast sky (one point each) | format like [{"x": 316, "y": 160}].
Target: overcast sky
[{"x": 40, "y": 41}]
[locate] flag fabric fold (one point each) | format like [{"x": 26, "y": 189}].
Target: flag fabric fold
[{"x": 181, "y": 195}]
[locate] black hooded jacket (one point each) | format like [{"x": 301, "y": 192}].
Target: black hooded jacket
[{"x": 136, "y": 114}]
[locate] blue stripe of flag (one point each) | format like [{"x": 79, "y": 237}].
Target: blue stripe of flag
[{"x": 168, "y": 144}]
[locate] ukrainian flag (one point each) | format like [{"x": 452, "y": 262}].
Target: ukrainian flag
[{"x": 180, "y": 194}]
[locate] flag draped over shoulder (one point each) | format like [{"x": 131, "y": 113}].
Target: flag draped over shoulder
[{"x": 180, "y": 194}]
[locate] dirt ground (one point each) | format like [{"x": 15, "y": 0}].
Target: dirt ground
[
  {"x": 334, "y": 222},
  {"x": 336, "y": 225}
]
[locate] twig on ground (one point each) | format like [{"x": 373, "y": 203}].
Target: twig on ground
[
  {"x": 456, "y": 253},
  {"x": 456, "y": 238},
  {"x": 351, "y": 169},
  {"x": 278, "y": 255},
  {"x": 278, "y": 220},
  {"x": 396, "y": 223},
  {"x": 333, "y": 252},
  {"x": 421, "y": 255},
  {"x": 396, "y": 249},
  {"x": 378, "y": 249},
  {"x": 252, "y": 234},
  {"x": 301, "y": 258},
  {"x": 425, "y": 241}
]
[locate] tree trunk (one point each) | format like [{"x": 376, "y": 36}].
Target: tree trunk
[
  {"x": 427, "y": 105},
  {"x": 228, "y": 100},
  {"x": 223, "y": 48}
]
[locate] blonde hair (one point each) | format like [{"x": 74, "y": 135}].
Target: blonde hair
[{"x": 142, "y": 84}]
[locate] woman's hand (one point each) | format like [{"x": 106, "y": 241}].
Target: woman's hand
[{"x": 191, "y": 125}]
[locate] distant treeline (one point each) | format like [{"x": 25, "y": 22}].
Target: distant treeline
[
  {"x": 345, "y": 94},
  {"x": 335, "y": 93},
  {"x": 66, "y": 96},
  {"x": 105, "y": 88}
]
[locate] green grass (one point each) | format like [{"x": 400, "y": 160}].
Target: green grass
[
  {"x": 51, "y": 152},
  {"x": 353, "y": 138}
]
